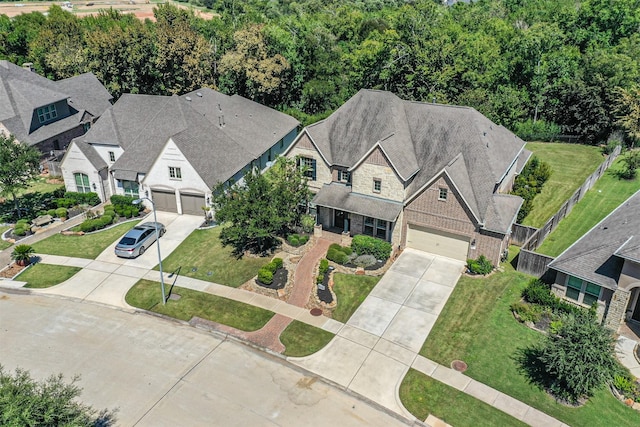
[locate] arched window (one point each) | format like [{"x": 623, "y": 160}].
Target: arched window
[{"x": 82, "y": 183}]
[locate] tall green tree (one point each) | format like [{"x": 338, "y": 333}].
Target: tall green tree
[
  {"x": 25, "y": 401},
  {"x": 19, "y": 165},
  {"x": 628, "y": 112}
]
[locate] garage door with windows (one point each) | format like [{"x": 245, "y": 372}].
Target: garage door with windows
[
  {"x": 437, "y": 242},
  {"x": 164, "y": 200},
  {"x": 192, "y": 203}
]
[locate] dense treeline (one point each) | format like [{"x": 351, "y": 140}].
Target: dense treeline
[{"x": 541, "y": 68}]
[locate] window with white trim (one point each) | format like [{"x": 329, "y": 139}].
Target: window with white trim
[
  {"x": 308, "y": 165},
  {"x": 131, "y": 188},
  {"x": 344, "y": 176},
  {"x": 175, "y": 172},
  {"x": 377, "y": 185},
  {"x": 443, "y": 194},
  {"x": 112, "y": 156},
  {"x": 582, "y": 291},
  {"x": 47, "y": 113},
  {"x": 82, "y": 183},
  {"x": 375, "y": 227}
]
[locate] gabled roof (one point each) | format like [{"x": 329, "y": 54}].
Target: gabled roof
[
  {"x": 421, "y": 140},
  {"x": 340, "y": 196},
  {"x": 23, "y": 91},
  {"x": 218, "y": 134},
  {"x": 598, "y": 255}
]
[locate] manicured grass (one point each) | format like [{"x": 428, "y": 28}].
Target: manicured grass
[
  {"x": 40, "y": 185},
  {"x": 87, "y": 246},
  {"x": 46, "y": 275},
  {"x": 146, "y": 294},
  {"x": 423, "y": 395},
  {"x": 571, "y": 164},
  {"x": 3, "y": 243},
  {"x": 203, "y": 251},
  {"x": 350, "y": 291},
  {"x": 477, "y": 326},
  {"x": 606, "y": 195},
  {"x": 301, "y": 339}
]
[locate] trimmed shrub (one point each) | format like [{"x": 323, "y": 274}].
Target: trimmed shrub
[
  {"x": 64, "y": 203},
  {"x": 337, "y": 256},
  {"x": 293, "y": 239},
  {"x": 61, "y": 212},
  {"x": 480, "y": 266},
  {"x": 307, "y": 222},
  {"x": 527, "y": 312},
  {"x": 90, "y": 199},
  {"x": 52, "y": 212},
  {"x": 538, "y": 292},
  {"x": 22, "y": 222},
  {"x": 365, "y": 260},
  {"x": 324, "y": 266},
  {"x": 367, "y": 245},
  {"x": 265, "y": 276},
  {"x": 277, "y": 262},
  {"x": 19, "y": 230}
]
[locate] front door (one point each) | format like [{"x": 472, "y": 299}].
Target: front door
[
  {"x": 636, "y": 310},
  {"x": 338, "y": 219}
]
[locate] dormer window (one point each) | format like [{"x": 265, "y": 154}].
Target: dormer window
[
  {"x": 344, "y": 176},
  {"x": 112, "y": 156},
  {"x": 46, "y": 114}
]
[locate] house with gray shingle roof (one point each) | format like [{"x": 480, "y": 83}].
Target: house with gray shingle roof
[
  {"x": 175, "y": 149},
  {"x": 420, "y": 175},
  {"x": 48, "y": 114},
  {"x": 603, "y": 266}
]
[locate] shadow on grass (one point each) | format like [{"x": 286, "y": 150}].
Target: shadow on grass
[{"x": 530, "y": 365}]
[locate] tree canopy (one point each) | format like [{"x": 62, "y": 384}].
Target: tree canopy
[
  {"x": 573, "y": 65},
  {"x": 19, "y": 165}
]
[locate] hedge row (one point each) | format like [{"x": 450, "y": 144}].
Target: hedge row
[{"x": 265, "y": 274}]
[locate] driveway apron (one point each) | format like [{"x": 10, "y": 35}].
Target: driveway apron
[{"x": 372, "y": 352}]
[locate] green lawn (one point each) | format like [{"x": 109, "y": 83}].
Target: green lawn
[
  {"x": 87, "y": 246},
  {"x": 3, "y": 243},
  {"x": 46, "y": 275},
  {"x": 477, "y": 326},
  {"x": 606, "y": 195},
  {"x": 571, "y": 164},
  {"x": 146, "y": 294},
  {"x": 423, "y": 395},
  {"x": 301, "y": 339},
  {"x": 40, "y": 185},
  {"x": 350, "y": 291},
  {"x": 203, "y": 251}
]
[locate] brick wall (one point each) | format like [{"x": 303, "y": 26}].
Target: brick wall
[{"x": 64, "y": 139}]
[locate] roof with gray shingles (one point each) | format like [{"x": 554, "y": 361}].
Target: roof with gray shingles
[
  {"x": 598, "y": 255},
  {"x": 218, "y": 134},
  {"x": 421, "y": 140},
  {"x": 23, "y": 91},
  {"x": 91, "y": 154},
  {"x": 339, "y": 196}
]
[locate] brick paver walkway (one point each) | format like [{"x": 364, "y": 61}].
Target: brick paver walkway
[{"x": 303, "y": 285}]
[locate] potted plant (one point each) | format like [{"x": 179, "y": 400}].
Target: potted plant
[{"x": 22, "y": 254}]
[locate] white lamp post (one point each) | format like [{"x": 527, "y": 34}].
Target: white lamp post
[{"x": 155, "y": 220}]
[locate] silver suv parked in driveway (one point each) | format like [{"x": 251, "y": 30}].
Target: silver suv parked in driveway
[{"x": 138, "y": 239}]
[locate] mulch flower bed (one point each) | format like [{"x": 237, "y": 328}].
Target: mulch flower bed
[
  {"x": 279, "y": 279},
  {"x": 11, "y": 271},
  {"x": 324, "y": 293}
]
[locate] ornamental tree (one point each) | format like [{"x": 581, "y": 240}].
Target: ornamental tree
[{"x": 19, "y": 165}]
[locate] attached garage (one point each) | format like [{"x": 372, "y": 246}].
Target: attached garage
[
  {"x": 437, "y": 242},
  {"x": 164, "y": 200},
  {"x": 192, "y": 203}
]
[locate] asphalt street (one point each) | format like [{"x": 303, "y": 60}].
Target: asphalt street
[{"x": 158, "y": 372}]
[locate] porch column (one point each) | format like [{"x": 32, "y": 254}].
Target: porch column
[{"x": 617, "y": 309}]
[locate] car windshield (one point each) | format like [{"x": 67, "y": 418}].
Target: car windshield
[{"x": 127, "y": 241}]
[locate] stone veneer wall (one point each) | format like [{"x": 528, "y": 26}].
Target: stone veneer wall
[
  {"x": 304, "y": 147},
  {"x": 617, "y": 309}
]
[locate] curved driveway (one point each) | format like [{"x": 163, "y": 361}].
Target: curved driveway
[{"x": 162, "y": 373}]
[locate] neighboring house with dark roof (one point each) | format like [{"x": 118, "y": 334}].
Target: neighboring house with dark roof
[
  {"x": 603, "y": 266},
  {"x": 427, "y": 176},
  {"x": 175, "y": 149},
  {"x": 46, "y": 114}
]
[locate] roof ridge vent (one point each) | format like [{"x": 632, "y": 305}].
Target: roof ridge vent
[
  {"x": 188, "y": 98},
  {"x": 199, "y": 94}
]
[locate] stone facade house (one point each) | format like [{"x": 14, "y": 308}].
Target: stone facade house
[
  {"x": 46, "y": 114},
  {"x": 175, "y": 149},
  {"x": 420, "y": 175},
  {"x": 603, "y": 267}
]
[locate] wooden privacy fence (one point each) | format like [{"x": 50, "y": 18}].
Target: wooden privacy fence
[{"x": 534, "y": 263}]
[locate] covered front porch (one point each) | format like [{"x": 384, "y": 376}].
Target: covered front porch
[{"x": 341, "y": 211}]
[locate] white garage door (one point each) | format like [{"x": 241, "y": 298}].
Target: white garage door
[
  {"x": 164, "y": 200},
  {"x": 192, "y": 204},
  {"x": 437, "y": 242}
]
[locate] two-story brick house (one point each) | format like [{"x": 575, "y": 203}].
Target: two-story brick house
[
  {"x": 48, "y": 114},
  {"x": 421, "y": 175}
]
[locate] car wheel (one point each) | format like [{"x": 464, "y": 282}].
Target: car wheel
[
  {"x": 161, "y": 233},
  {"x": 141, "y": 251}
]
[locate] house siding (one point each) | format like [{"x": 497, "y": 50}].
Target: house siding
[
  {"x": 64, "y": 139},
  {"x": 376, "y": 166},
  {"x": 77, "y": 162},
  {"x": 506, "y": 185},
  {"x": 630, "y": 275}
]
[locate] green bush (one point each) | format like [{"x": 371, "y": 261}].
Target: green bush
[
  {"x": 625, "y": 385},
  {"x": 324, "y": 266},
  {"x": 538, "y": 292},
  {"x": 293, "y": 239},
  {"x": 319, "y": 278},
  {"x": 527, "y": 312},
  {"x": 367, "y": 245},
  {"x": 62, "y": 212},
  {"x": 90, "y": 199},
  {"x": 22, "y": 222},
  {"x": 337, "y": 256},
  {"x": 19, "y": 230},
  {"x": 88, "y": 225},
  {"x": 52, "y": 212},
  {"x": 307, "y": 222},
  {"x": 105, "y": 220},
  {"x": 529, "y": 183},
  {"x": 481, "y": 265},
  {"x": 64, "y": 203},
  {"x": 117, "y": 200},
  {"x": 365, "y": 261},
  {"x": 277, "y": 262},
  {"x": 265, "y": 276},
  {"x": 537, "y": 131},
  {"x": 344, "y": 249}
]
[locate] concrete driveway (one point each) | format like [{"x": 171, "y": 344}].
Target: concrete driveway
[
  {"x": 107, "y": 279},
  {"x": 373, "y": 351},
  {"x": 163, "y": 373}
]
